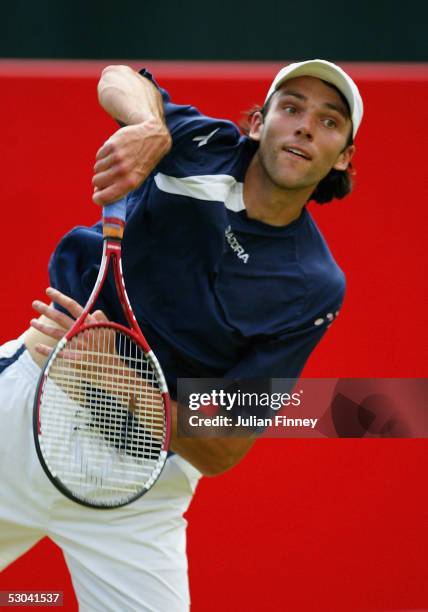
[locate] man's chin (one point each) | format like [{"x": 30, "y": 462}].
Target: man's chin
[{"x": 295, "y": 185}]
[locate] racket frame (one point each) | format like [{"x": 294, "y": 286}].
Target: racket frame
[{"x": 112, "y": 249}]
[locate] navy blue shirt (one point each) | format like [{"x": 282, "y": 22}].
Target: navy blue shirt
[{"x": 216, "y": 294}]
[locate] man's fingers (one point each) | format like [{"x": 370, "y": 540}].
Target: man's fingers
[
  {"x": 61, "y": 319},
  {"x": 48, "y": 330},
  {"x": 73, "y": 307},
  {"x": 54, "y": 315},
  {"x": 111, "y": 194},
  {"x": 104, "y": 179},
  {"x": 126, "y": 159},
  {"x": 43, "y": 349},
  {"x": 105, "y": 196},
  {"x": 104, "y": 163},
  {"x": 96, "y": 317},
  {"x": 99, "y": 316},
  {"x": 104, "y": 151},
  {"x": 115, "y": 174}
]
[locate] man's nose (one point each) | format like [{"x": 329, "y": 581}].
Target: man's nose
[
  {"x": 305, "y": 128},
  {"x": 306, "y": 132}
]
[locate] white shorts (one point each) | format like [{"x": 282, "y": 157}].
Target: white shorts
[{"x": 131, "y": 558}]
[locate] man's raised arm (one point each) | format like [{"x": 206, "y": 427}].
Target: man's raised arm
[{"x": 126, "y": 159}]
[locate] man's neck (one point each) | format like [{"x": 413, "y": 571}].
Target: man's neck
[{"x": 268, "y": 203}]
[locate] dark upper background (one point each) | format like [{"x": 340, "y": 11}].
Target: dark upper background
[{"x": 358, "y": 30}]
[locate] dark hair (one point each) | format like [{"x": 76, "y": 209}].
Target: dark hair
[{"x": 338, "y": 183}]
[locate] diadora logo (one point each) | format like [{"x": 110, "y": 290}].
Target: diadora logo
[
  {"x": 235, "y": 246},
  {"x": 202, "y": 140}
]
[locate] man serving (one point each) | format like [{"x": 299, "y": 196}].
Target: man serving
[{"x": 228, "y": 276}]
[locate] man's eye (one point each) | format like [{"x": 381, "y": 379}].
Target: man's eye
[
  {"x": 290, "y": 109},
  {"x": 330, "y": 123}
]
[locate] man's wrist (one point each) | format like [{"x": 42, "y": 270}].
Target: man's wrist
[{"x": 156, "y": 127}]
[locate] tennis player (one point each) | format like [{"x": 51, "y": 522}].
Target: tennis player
[{"x": 228, "y": 276}]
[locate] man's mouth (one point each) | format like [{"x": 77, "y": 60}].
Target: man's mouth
[{"x": 298, "y": 152}]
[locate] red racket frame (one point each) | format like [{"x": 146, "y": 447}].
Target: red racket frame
[{"x": 112, "y": 250}]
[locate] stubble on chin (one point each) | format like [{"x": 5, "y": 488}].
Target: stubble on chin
[{"x": 278, "y": 176}]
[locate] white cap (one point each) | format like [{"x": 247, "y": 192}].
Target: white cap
[{"x": 327, "y": 71}]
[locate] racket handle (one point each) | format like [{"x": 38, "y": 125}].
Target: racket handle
[{"x": 114, "y": 216}]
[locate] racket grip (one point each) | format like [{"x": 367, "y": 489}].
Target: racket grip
[{"x": 114, "y": 216}]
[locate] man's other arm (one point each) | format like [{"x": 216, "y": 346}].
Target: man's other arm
[
  {"x": 211, "y": 456},
  {"x": 126, "y": 159}
]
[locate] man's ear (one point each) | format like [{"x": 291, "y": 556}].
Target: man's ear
[
  {"x": 256, "y": 125},
  {"x": 344, "y": 158}
]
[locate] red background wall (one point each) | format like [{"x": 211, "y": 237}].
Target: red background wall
[{"x": 298, "y": 525}]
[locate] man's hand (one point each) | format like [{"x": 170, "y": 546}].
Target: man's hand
[
  {"x": 127, "y": 158},
  {"x": 131, "y": 153},
  {"x": 54, "y": 324}
]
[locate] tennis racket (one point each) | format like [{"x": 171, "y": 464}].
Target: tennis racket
[{"x": 101, "y": 412}]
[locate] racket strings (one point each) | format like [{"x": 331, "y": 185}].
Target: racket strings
[{"x": 102, "y": 415}]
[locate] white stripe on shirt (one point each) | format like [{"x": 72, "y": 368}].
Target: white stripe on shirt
[{"x": 210, "y": 187}]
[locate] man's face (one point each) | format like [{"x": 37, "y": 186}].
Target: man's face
[{"x": 303, "y": 135}]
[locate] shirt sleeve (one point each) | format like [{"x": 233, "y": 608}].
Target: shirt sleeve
[
  {"x": 74, "y": 264},
  {"x": 190, "y": 131},
  {"x": 282, "y": 357},
  {"x": 285, "y": 355}
]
